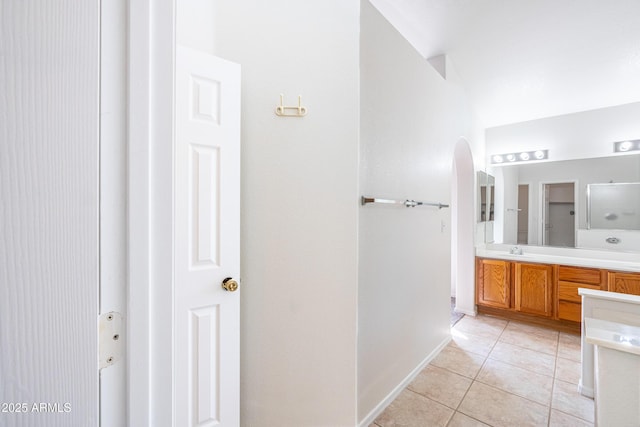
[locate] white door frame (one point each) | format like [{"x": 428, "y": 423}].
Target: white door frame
[
  {"x": 463, "y": 224},
  {"x": 113, "y": 196},
  {"x": 541, "y": 217},
  {"x": 150, "y": 214}
]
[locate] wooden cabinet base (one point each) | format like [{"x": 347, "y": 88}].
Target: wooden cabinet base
[{"x": 558, "y": 325}]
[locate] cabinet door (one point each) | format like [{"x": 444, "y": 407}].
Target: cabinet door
[
  {"x": 533, "y": 289},
  {"x": 494, "y": 283},
  {"x": 626, "y": 283}
]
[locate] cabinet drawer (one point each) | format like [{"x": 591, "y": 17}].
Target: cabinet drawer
[
  {"x": 570, "y": 311},
  {"x": 589, "y": 276},
  {"x": 568, "y": 291}
]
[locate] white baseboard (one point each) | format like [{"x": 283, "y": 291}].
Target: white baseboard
[
  {"x": 585, "y": 391},
  {"x": 375, "y": 412},
  {"x": 467, "y": 312}
]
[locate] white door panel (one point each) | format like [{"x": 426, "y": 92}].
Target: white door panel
[
  {"x": 49, "y": 181},
  {"x": 207, "y": 239}
]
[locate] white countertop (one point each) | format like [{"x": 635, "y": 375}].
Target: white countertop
[
  {"x": 608, "y": 295},
  {"x": 616, "y": 336},
  {"x": 564, "y": 256}
]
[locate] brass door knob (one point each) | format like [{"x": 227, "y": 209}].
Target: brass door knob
[{"x": 229, "y": 284}]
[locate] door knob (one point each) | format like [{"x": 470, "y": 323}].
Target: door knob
[{"x": 229, "y": 284}]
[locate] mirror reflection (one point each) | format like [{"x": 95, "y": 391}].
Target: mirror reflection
[
  {"x": 545, "y": 204},
  {"x": 486, "y": 197},
  {"x": 482, "y": 196}
]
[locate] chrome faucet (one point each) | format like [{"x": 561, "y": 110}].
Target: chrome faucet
[{"x": 515, "y": 250}]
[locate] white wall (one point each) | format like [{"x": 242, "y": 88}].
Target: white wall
[
  {"x": 299, "y": 204},
  {"x": 411, "y": 120},
  {"x": 581, "y": 135}
]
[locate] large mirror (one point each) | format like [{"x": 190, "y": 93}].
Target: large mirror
[{"x": 545, "y": 203}]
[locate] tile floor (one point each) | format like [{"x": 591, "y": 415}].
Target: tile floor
[{"x": 496, "y": 373}]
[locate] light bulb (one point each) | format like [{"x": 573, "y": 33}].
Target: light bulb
[
  {"x": 539, "y": 154},
  {"x": 497, "y": 159},
  {"x": 625, "y": 146},
  {"x": 511, "y": 157},
  {"x": 524, "y": 156}
]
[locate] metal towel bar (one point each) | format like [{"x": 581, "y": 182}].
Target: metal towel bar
[{"x": 407, "y": 203}]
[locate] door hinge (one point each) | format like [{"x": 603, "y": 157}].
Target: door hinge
[{"x": 111, "y": 338}]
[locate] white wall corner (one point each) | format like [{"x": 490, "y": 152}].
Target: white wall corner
[
  {"x": 375, "y": 412},
  {"x": 439, "y": 63}
]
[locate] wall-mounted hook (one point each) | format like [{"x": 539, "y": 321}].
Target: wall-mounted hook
[{"x": 298, "y": 111}]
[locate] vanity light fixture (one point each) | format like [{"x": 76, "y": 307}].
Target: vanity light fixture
[
  {"x": 524, "y": 156},
  {"x": 624, "y": 146}
]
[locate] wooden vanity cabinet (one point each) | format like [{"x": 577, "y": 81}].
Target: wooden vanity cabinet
[
  {"x": 533, "y": 286},
  {"x": 569, "y": 280},
  {"x": 545, "y": 294},
  {"x": 515, "y": 286},
  {"x": 626, "y": 283},
  {"x": 493, "y": 278}
]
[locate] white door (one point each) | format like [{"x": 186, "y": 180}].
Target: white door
[
  {"x": 207, "y": 240},
  {"x": 49, "y": 181}
]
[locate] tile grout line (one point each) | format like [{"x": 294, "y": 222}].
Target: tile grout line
[
  {"x": 553, "y": 383},
  {"x": 474, "y": 379},
  {"x": 483, "y": 365}
]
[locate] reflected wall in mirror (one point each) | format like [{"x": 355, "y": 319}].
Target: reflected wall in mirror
[{"x": 551, "y": 197}]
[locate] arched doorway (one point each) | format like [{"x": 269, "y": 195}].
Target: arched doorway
[{"x": 463, "y": 232}]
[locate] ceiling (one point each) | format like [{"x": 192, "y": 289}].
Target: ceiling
[{"x": 520, "y": 60}]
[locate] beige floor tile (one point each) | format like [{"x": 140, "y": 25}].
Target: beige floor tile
[
  {"x": 568, "y": 370},
  {"x": 461, "y": 420},
  {"x": 560, "y": 419},
  {"x": 513, "y": 365},
  {"x": 481, "y": 326},
  {"x": 523, "y": 358},
  {"x": 509, "y": 378},
  {"x": 532, "y": 329},
  {"x": 569, "y": 346},
  {"x": 473, "y": 343},
  {"x": 441, "y": 385},
  {"x": 458, "y": 361},
  {"x": 567, "y": 399},
  {"x": 410, "y": 409},
  {"x": 499, "y": 408},
  {"x": 530, "y": 341}
]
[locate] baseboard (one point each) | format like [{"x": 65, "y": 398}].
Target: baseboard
[
  {"x": 585, "y": 391},
  {"x": 467, "y": 312},
  {"x": 380, "y": 407}
]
